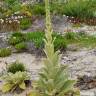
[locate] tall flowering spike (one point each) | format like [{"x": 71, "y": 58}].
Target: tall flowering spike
[
  {"x": 48, "y": 20},
  {"x": 49, "y": 46}
]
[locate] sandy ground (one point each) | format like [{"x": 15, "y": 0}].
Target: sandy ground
[{"x": 82, "y": 62}]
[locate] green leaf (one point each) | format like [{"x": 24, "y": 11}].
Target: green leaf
[
  {"x": 7, "y": 87},
  {"x": 13, "y": 80},
  {"x": 22, "y": 85},
  {"x": 33, "y": 93},
  {"x": 67, "y": 87}
]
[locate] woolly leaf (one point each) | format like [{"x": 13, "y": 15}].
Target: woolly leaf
[
  {"x": 7, "y": 87},
  {"x": 66, "y": 87},
  {"x": 33, "y": 93},
  {"x": 22, "y": 85}
]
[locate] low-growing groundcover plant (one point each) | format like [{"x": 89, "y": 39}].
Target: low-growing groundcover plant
[
  {"x": 81, "y": 39},
  {"x": 61, "y": 42},
  {"x": 17, "y": 34},
  {"x": 20, "y": 46},
  {"x": 15, "y": 67},
  {"x": 15, "y": 78},
  {"x": 25, "y": 23},
  {"x": 53, "y": 80},
  {"x": 15, "y": 38},
  {"x": 37, "y": 39},
  {"x": 5, "y": 52},
  {"x": 14, "y": 81}
]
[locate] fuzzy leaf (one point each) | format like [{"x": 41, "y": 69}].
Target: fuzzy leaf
[
  {"x": 22, "y": 85},
  {"x": 67, "y": 87},
  {"x": 33, "y": 93},
  {"x": 7, "y": 87}
]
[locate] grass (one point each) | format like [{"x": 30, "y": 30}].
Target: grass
[
  {"x": 15, "y": 38},
  {"x": 36, "y": 38},
  {"x": 88, "y": 41},
  {"x": 82, "y": 40},
  {"x": 25, "y": 23},
  {"x": 4, "y": 52},
  {"x": 15, "y": 67},
  {"x": 20, "y": 46},
  {"x": 81, "y": 9}
]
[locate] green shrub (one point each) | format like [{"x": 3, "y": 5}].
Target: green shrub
[
  {"x": 38, "y": 9},
  {"x": 39, "y": 43},
  {"x": 14, "y": 81},
  {"x": 36, "y": 38},
  {"x": 82, "y": 9},
  {"x": 20, "y": 46},
  {"x": 17, "y": 34},
  {"x": 15, "y": 67},
  {"x": 60, "y": 44},
  {"x": 25, "y": 23},
  {"x": 5, "y": 52},
  {"x": 34, "y": 35},
  {"x": 16, "y": 38}
]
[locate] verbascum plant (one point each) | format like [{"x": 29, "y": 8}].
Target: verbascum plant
[
  {"x": 13, "y": 81},
  {"x": 53, "y": 80}
]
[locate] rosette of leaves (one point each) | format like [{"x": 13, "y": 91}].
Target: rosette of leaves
[{"x": 13, "y": 81}]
